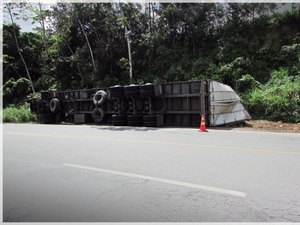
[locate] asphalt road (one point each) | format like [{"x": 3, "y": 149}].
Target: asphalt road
[{"x": 56, "y": 173}]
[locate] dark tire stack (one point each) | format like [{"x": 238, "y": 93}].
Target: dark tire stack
[
  {"x": 33, "y": 103},
  {"x": 132, "y": 90},
  {"x": 134, "y": 120},
  {"x": 55, "y": 105},
  {"x": 116, "y": 91},
  {"x": 98, "y": 114},
  {"x": 48, "y": 118},
  {"x": 99, "y": 98},
  {"x": 119, "y": 120},
  {"x": 149, "y": 121},
  {"x": 147, "y": 90}
]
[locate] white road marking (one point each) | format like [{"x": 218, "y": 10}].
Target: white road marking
[{"x": 161, "y": 180}]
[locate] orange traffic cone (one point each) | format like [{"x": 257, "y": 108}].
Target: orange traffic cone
[{"x": 202, "y": 124}]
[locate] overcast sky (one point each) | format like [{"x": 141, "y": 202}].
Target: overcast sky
[{"x": 26, "y": 26}]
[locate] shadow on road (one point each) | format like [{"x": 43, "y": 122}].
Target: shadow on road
[
  {"x": 125, "y": 128},
  {"x": 129, "y": 128}
]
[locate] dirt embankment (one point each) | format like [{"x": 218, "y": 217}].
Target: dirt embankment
[{"x": 265, "y": 125}]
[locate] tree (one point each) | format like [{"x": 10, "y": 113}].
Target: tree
[
  {"x": 88, "y": 43},
  {"x": 123, "y": 21},
  {"x": 9, "y": 7}
]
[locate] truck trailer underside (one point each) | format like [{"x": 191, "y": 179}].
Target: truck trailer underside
[{"x": 170, "y": 104}]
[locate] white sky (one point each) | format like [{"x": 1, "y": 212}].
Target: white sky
[{"x": 26, "y": 26}]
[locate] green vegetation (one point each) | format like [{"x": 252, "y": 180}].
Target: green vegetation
[
  {"x": 278, "y": 99},
  {"x": 18, "y": 114},
  {"x": 253, "y": 47},
  {"x": 15, "y": 91}
]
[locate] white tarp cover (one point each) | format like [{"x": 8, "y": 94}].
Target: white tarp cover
[{"x": 226, "y": 106}]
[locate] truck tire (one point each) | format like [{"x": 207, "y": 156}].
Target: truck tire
[
  {"x": 150, "y": 124},
  {"x": 33, "y": 105},
  {"x": 119, "y": 117},
  {"x": 119, "y": 120},
  {"x": 98, "y": 114},
  {"x": 47, "y": 118},
  {"x": 132, "y": 90},
  {"x": 134, "y": 118},
  {"x": 116, "y": 91},
  {"x": 119, "y": 123},
  {"x": 135, "y": 123},
  {"x": 54, "y": 105},
  {"x": 147, "y": 90},
  {"x": 149, "y": 121},
  {"x": 99, "y": 98},
  {"x": 149, "y": 118}
]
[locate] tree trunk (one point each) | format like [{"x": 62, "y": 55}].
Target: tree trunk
[
  {"x": 19, "y": 51},
  {"x": 88, "y": 43},
  {"x": 78, "y": 68},
  {"x": 153, "y": 22},
  {"x": 44, "y": 31},
  {"x": 129, "y": 54},
  {"x": 150, "y": 19},
  {"x": 128, "y": 45},
  {"x": 97, "y": 34}
]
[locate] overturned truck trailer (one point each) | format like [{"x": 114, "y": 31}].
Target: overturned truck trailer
[{"x": 149, "y": 105}]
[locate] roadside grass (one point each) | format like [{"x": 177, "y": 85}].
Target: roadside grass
[
  {"x": 18, "y": 114},
  {"x": 277, "y": 100}
]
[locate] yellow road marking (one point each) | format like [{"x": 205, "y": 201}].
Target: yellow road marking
[{"x": 157, "y": 142}]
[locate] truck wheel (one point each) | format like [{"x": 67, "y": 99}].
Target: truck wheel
[
  {"x": 54, "y": 105},
  {"x": 119, "y": 123},
  {"x": 132, "y": 90},
  {"x": 147, "y": 90},
  {"x": 150, "y": 121},
  {"x": 47, "y": 118},
  {"x": 135, "y": 123},
  {"x": 33, "y": 105},
  {"x": 134, "y": 118},
  {"x": 98, "y": 114},
  {"x": 150, "y": 124},
  {"x": 119, "y": 120},
  {"x": 99, "y": 98},
  {"x": 149, "y": 118},
  {"x": 116, "y": 91},
  {"x": 119, "y": 117}
]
